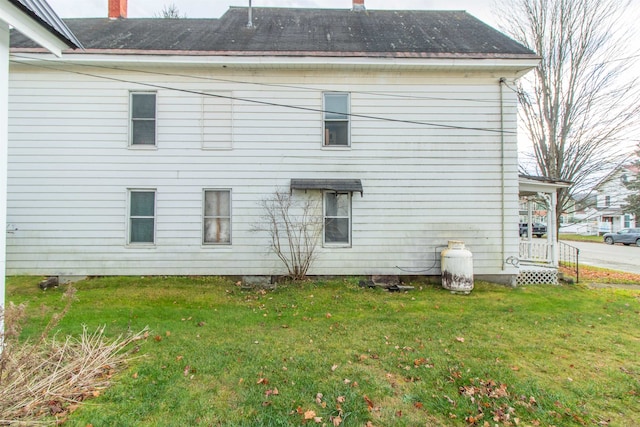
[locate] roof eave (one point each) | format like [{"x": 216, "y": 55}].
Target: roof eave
[
  {"x": 515, "y": 64},
  {"x": 537, "y": 184},
  {"x": 21, "y": 18}
]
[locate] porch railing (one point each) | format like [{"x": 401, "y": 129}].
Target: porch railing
[
  {"x": 537, "y": 252},
  {"x": 570, "y": 258}
]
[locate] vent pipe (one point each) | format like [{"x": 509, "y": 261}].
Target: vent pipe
[
  {"x": 358, "y": 5},
  {"x": 250, "y": 21},
  {"x": 117, "y": 9}
]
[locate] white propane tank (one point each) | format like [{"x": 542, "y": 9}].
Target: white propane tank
[{"x": 457, "y": 268}]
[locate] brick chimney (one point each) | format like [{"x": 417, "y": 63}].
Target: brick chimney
[
  {"x": 358, "y": 4},
  {"x": 118, "y": 9}
]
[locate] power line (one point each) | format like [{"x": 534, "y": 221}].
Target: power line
[
  {"x": 217, "y": 79},
  {"x": 267, "y": 103}
]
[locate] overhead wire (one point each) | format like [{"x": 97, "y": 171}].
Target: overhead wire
[
  {"x": 261, "y": 102},
  {"x": 276, "y": 85}
]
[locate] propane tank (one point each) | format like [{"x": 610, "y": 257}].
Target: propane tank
[{"x": 457, "y": 268}]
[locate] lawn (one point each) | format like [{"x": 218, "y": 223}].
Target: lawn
[
  {"x": 580, "y": 238},
  {"x": 333, "y": 353}
]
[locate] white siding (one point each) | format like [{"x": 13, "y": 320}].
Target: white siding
[{"x": 70, "y": 167}]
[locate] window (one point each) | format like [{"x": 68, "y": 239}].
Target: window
[
  {"x": 217, "y": 217},
  {"x": 337, "y": 219},
  {"x": 142, "y": 216},
  {"x": 336, "y": 120},
  {"x": 627, "y": 220},
  {"x": 607, "y": 201},
  {"x": 143, "y": 119}
]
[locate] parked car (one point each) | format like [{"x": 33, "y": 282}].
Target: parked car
[
  {"x": 539, "y": 229},
  {"x": 626, "y": 236}
]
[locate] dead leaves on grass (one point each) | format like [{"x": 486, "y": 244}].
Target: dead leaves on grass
[
  {"x": 595, "y": 274},
  {"x": 493, "y": 402},
  {"x": 335, "y": 410}
]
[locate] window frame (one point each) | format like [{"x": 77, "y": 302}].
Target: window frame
[
  {"x": 132, "y": 119},
  {"x": 130, "y": 217},
  {"x": 325, "y": 142},
  {"x": 349, "y": 217},
  {"x": 205, "y": 217}
]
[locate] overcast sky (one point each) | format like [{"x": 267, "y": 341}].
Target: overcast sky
[{"x": 215, "y": 8}]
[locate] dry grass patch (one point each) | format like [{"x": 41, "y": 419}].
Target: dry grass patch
[{"x": 52, "y": 376}]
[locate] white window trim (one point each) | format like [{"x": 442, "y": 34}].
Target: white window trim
[
  {"x": 217, "y": 245},
  {"x": 336, "y": 147},
  {"x": 155, "y": 120},
  {"x": 326, "y": 244},
  {"x": 155, "y": 219}
]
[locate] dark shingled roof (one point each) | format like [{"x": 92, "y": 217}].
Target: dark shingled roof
[
  {"x": 46, "y": 16},
  {"x": 301, "y": 32}
]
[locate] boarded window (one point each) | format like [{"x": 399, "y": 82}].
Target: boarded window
[
  {"x": 217, "y": 217},
  {"x": 217, "y": 122}
]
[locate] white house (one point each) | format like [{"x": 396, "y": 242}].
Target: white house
[
  {"x": 149, "y": 151},
  {"x": 39, "y": 23},
  {"x": 611, "y": 194}
]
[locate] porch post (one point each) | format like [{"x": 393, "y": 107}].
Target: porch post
[{"x": 552, "y": 229}]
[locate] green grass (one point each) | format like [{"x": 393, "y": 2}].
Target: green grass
[
  {"x": 580, "y": 238},
  {"x": 218, "y": 355}
]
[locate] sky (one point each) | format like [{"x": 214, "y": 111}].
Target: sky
[{"x": 215, "y": 8}]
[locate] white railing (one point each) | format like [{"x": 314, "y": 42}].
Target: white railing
[{"x": 539, "y": 252}]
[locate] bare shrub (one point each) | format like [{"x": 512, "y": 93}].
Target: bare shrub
[
  {"x": 294, "y": 228},
  {"x": 52, "y": 376}
]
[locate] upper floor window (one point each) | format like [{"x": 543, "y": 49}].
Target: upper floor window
[
  {"x": 143, "y": 119},
  {"x": 607, "y": 201},
  {"x": 336, "y": 120},
  {"x": 337, "y": 219},
  {"x": 217, "y": 217},
  {"x": 142, "y": 216}
]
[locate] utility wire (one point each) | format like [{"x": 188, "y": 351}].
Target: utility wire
[
  {"x": 276, "y": 85},
  {"x": 267, "y": 103}
]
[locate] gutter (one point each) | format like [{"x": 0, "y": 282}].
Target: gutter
[{"x": 513, "y": 67}]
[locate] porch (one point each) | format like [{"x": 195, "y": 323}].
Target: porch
[
  {"x": 536, "y": 263},
  {"x": 538, "y": 257}
]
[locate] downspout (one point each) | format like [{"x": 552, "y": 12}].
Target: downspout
[{"x": 502, "y": 173}]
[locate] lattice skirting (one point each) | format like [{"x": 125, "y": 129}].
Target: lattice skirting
[{"x": 537, "y": 276}]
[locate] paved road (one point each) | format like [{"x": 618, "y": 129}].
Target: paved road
[{"x": 615, "y": 257}]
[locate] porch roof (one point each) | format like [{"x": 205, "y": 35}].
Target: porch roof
[
  {"x": 529, "y": 185},
  {"x": 348, "y": 185}
]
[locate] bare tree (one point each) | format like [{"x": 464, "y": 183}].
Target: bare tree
[
  {"x": 170, "y": 12},
  {"x": 577, "y": 106},
  {"x": 294, "y": 228}
]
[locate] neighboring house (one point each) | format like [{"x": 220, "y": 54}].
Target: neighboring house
[
  {"x": 149, "y": 152},
  {"x": 611, "y": 196}
]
